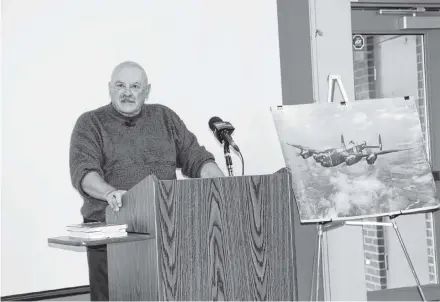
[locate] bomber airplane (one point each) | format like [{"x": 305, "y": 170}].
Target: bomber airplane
[{"x": 353, "y": 154}]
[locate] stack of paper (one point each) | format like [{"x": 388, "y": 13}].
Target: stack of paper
[{"x": 96, "y": 230}]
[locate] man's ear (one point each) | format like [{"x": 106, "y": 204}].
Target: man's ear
[
  {"x": 110, "y": 88},
  {"x": 147, "y": 93}
]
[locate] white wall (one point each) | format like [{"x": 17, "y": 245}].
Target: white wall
[
  {"x": 331, "y": 47},
  {"x": 218, "y": 57}
]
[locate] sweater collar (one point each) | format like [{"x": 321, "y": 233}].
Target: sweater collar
[{"x": 119, "y": 116}]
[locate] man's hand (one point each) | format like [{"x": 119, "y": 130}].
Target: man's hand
[
  {"x": 211, "y": 170},
  {"x": 114, "y": 199}
]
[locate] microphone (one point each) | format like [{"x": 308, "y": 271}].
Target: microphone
[
  {"x": 130, "y": 123},
  {"x": 222, "y": 131}
]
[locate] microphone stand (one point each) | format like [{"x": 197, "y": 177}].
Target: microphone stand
[{"x": 228, "y": 158}]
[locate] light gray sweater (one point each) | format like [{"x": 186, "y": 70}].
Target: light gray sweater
[{"x": 124, "y": 150}]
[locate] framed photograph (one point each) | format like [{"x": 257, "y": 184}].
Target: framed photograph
[{"x": 363, "y": 159}]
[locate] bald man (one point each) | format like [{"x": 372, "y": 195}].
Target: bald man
[{"x": 117, "y": 145}]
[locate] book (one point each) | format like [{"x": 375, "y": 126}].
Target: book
[
  {"x": 97, "y": 235},
  {"x": 98, "y": 227}
]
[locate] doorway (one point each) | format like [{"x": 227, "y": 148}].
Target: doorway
[{"x": 393, "y": 59}]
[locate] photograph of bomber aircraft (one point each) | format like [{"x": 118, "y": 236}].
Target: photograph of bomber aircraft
[
  {"x": 353, "y": 154},
  {"x": 368, "y": 158}
]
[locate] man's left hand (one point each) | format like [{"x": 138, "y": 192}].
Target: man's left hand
[{"x": 211, "y": 170}]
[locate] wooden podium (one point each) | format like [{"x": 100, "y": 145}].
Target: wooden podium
[{"x": 227, "y": 238}]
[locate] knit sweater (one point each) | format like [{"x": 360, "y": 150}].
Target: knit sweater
[{"x": 124, "y": 150}]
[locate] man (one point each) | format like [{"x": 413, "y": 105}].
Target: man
[{"x": 116, "y": 146}]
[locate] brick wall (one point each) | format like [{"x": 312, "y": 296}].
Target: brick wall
[
  {"x": 431, "y": 252},
  {"x": 364, "y": 86},
  {"x": 374, "y": 245},
  {"x": 374, "y": 254},
  {"x": 421, "y": 86},
  {"x": 421, "y": 108}
]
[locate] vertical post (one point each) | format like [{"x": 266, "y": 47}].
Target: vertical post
[
  {"x": 315, "y": 41},
  {"x": 332, "y": 53},
  {"x": 297, "y": 88},
  {"x": 295, "y": 53}
]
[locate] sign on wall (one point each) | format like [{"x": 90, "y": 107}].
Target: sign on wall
[{"x": 358, "y": 42}]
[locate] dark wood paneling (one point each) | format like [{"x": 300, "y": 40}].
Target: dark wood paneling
[
  {"x": 226, "y": 239},
  {"x": 132, "y": 271}
]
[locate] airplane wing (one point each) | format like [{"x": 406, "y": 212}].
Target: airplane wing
[
  {"x": 390, "y": 151},
  {"x": 303, "y": 148},
  {"x": 385, "y": 152}
]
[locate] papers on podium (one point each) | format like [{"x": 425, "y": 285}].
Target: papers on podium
[{"x": 96, "y": 230}]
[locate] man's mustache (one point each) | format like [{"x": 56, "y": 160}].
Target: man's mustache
[{"x": 127, "y": 99}]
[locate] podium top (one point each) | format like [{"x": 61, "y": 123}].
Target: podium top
[{"x": 144, "y": 205}]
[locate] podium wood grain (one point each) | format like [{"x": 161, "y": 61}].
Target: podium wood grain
[
  {"x": 137, "y": 208},
  {"x": 132, "y": 271},
  {"x": 132, "y": 268},
  {"x": 225, "y": 239},
  {"x": 214, "y": 239}
]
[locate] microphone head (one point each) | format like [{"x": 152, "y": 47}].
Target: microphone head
[
  {"x": 212, "y": 120},
  {"x": 130, "y": 123}
]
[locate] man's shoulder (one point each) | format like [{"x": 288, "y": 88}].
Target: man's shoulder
[
  {"x": 161, "y": 109},
  {"x": 93, "y": 112},
  {"x": 96, "y": 111}
]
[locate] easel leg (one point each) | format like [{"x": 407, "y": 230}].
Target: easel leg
[
  {"x": 315, "y": 257},
  {"x": 419, "y": 286},
  {"x": 316, "y": 266}
]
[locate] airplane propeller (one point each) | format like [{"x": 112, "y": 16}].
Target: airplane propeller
[
  {"x": 297, "y": 152},
  {"x": 343, "y": 142},
  {"x": 368, "y": 147}
]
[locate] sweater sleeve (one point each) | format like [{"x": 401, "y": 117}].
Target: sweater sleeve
[
  {"x": 191, "y": 156},
  {"x": 85, "y": 152}
]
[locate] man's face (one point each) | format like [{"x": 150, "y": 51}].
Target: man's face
[{"x": 128, "y": 90}]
